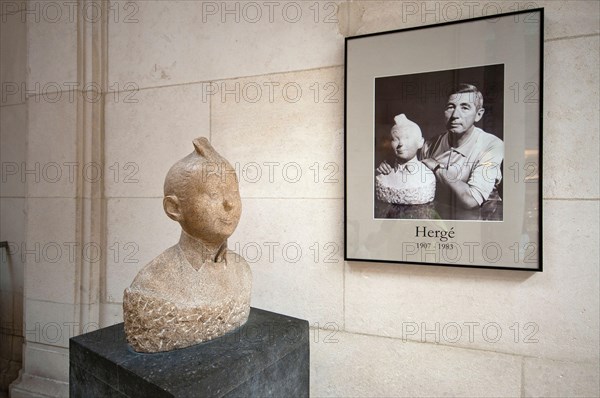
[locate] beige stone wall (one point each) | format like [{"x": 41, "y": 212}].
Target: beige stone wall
[{"x": 268, "y": 92}]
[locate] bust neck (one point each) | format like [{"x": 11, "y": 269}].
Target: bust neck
[
  {"x": 199, "y": 252},
  {"x": 402, "y": 165}
]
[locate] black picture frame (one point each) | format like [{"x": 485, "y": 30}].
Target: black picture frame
[{"x": 418, "y": 72}]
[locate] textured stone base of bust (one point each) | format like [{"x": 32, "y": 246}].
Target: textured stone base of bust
[
  {"x": 406, "y": 189},
  {"x": 153, "y": 324}
]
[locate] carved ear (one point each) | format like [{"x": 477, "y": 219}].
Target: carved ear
[
  {"x": 203, "y": 147},
  {"x": 421, "y": 142},
  {"x": 172, "y": 207}
]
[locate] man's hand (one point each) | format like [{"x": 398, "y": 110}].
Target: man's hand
[{"x": 384, "y": 168}]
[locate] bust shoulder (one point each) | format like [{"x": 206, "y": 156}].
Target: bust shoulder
[
  {"x": 238, "y": 261},
  {"x": 156, "y": 269}
]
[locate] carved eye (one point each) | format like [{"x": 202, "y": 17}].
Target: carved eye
[{"x": 214, "y": 195}]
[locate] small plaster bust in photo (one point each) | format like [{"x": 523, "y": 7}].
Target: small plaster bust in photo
[
  {"x": 196, "y": 290},
  {"x": 410, "y": 182}
]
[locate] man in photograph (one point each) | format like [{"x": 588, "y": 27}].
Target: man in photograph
[{"x": 465, "y": 159}]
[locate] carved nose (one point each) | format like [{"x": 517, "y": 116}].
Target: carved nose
[{"x": 227, "y": 204}]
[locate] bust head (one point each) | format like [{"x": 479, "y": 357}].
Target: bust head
[
  {"x": 202, "y": 194},
  {"x": 406, "y": 137}
]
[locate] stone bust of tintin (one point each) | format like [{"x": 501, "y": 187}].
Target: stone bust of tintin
[
  {"x": 409, "y": 182},
  {"x": 196, "y": 290}
]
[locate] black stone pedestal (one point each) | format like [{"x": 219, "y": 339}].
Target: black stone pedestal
[{"x": 267, "y": 357}]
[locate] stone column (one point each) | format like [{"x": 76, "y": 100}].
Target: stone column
[{"x": 63, "y": 251}]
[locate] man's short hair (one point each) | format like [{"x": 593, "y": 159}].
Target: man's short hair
[{"x": 469, "y": 88}]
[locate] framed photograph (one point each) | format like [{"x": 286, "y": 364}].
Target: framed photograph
[{"x": 443, "y": 144}]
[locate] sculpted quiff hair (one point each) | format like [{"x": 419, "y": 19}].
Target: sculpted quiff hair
[{"x": 203, "y": 162}]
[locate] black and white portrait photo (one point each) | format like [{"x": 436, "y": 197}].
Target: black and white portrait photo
[
  {"x": 443, "y": 143},
  {"x": 439, "y": 145}
]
